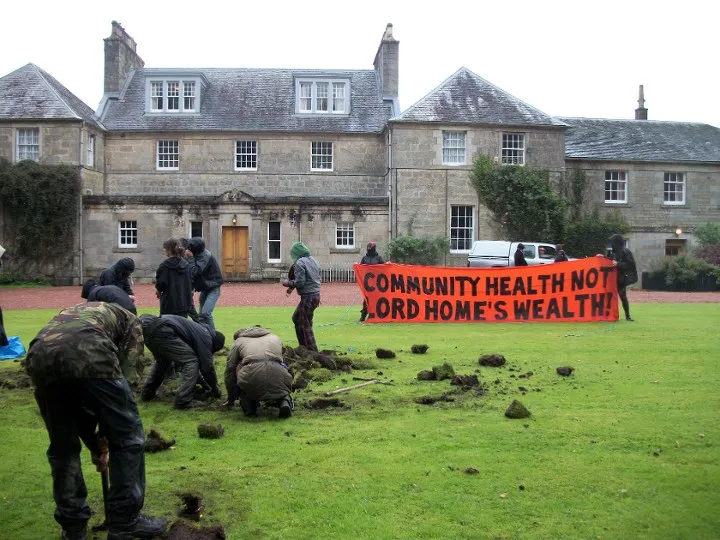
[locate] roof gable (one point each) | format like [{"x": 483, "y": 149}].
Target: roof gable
[
  {"x": 244, "y": 99},
  {"x": 29, "y": 93},
  {"x": 466, "y": 98},
  {"x": 641, "y": 140}
]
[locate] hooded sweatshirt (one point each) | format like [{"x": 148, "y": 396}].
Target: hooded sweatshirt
[
  {"x": 172, "y": 281},
  {"x": 255, "y": 365},
  {"x": 372, "y": 256},
  {"x": 306, "y": 270},
  {"x": 627, "y": 271},
  {"x": 204, "y": 269},
  {"x": 93, "y": 292},
  {"x": 119, "y": 274}
]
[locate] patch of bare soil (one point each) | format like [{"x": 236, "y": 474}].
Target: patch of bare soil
[
  {"x": 430, "y": 400},
  {"x": 324, "y": 403},
  {"x": 183, "y": 530},
  {"x": 14, "y": 378},
  {"x": 155, "y": 442}
]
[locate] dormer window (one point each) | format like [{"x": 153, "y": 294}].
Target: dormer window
[
  {"x": 322, "y": 96},
  {"x": 176, "y": 95}
]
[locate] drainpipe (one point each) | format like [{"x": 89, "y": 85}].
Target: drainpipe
[
  {"x": 389, "y": 187},
  {"x": 446, "y": 208},
  {"x": 81, "y": 259}
]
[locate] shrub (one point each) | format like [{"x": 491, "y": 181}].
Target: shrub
[
  {"x": 589, "y": 235},
  {"x": 709, "y": 253},
  {"x": 708, "y": 233},
  {"x": 683, "y": 271},
  {"x": 426, "y": 251}
]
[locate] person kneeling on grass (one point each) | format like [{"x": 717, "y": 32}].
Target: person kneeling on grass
[
  {"x": 190, "y": 345},
  {"x": 255, "y": 372},
  {"x": 92, "y": 291}
]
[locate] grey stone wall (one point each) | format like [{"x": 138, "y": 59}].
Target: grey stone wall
[
  {"x": 651, "y": 221},
  {"x": 59, "y": 141}
]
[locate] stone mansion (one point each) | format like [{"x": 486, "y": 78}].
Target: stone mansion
[{"x": 255, "y": 159}]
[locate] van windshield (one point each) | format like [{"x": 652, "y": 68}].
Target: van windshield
[{"x": 546, "y": 252}]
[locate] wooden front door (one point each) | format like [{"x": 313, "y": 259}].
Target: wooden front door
[{"x": 235, "y": 252}]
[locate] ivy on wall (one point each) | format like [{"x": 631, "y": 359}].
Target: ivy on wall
[{"x": 40, "y": 205}]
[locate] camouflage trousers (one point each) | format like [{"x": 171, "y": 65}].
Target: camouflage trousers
[
  {"x": 303, "y": 320},
  {"x": 71, "y": 410}
]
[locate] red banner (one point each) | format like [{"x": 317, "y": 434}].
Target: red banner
[{"x": 583, "y": 290}]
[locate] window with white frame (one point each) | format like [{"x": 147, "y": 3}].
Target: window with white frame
[
  {"x": 28, "y": 144},
  {"x": 127, "y": 234},
  {"x": 90, "y": 150},
  {"x": 168, "y": 155},
  {"x": 196, "y": 229},
  {"x": 246, "y": 155},
  {"x": 273, "y": 248},
  {"x": 513, "y": 149},
  {"x": 615, "y": 186},
  {"x": 321, "y": 158},
  {"x": 674, "y": 188},
  {"x": 172, "y": 95},
  {"x": 453, "y": 148},
  {"x": 462, "y": 227},
  {"x": 322, "y": 96},
  {"x": 345, "y": 235}
]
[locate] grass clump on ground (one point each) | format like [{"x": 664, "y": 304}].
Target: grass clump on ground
[{"x": 624, "y": 447}]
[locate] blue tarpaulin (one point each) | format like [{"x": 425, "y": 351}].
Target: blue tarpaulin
[{"x": 14, "y": 349}]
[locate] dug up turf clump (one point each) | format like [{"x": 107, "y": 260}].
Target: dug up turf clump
[
  {"x": 419, "y": 349},
  {"x": 210, "y": 431},
  {"x": 517, "y": 410},
  {"x": 384, "y": 353},
  {"x": 183, "y": 530},
  {"x": 492, "y": 360},
  {"x": 155, "y": 442},
  {"x": 426, "y": 375},
  {"x": 445, "y": 371}
]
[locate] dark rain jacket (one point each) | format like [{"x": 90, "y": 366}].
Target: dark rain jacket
[
  {"x": 119, "y": 275},
  {"x": 255, "y": 365},
  {"x": 197, "y": 336},
  {"x": 96, "y": 340},
  {"x": 627, "y": 270},
  {"x": 172, "y": 281},
  {"x": 372, "y": 257},
  {"x": 520, "y": 258},
  {"x": 93, "y": 292},
  {"x": 203, "y": 266}
]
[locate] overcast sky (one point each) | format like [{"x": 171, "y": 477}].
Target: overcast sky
[{"x": 566, "y": 58}]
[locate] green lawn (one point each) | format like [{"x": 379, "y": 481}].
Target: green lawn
[{"x": 627, "y": 447}]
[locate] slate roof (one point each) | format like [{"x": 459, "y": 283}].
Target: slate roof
[
  {"x": 29, "y": 93},
  {"x": 466, "y": 98},
  {"x": 641, "y": 140},
  {"x": 252, "y": 100}
]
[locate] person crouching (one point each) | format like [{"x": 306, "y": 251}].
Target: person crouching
[{"x": 255, "y": 372}]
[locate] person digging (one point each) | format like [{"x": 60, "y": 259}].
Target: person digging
[{"x": 255, "y": 372}]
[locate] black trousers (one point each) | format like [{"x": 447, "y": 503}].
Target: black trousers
[
  {"x": 168, "y": 349},
  {"x": 622, "y": 293},
  {"x": 71, "y": 410}
]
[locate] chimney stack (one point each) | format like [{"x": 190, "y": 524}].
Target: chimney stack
[
  {"x": 641, "y": 111},
  {"x": 387, "y": 63},
  {"x": 120, "y": 58}
]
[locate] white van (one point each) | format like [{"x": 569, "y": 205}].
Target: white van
[{"x": 494, "y": 253}]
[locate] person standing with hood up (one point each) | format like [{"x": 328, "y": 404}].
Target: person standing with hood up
[
  {"x": 371, "y": 257},
  {"x": 307, "y": 284},
  {"x": 520, "y": 256},
  {"x": 206, "y": 278},
  {"x": 119, "y": 275},
  {"x": 623, "y": 259},
  {"x": 172, "y": 282}
]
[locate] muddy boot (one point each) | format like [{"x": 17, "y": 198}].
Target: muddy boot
[
  {"x": 248, "y": 407},
  {"x": 74, "y": 534},
  {"x": 141, "y": 527},
  {"x": 286, "y": 406}
]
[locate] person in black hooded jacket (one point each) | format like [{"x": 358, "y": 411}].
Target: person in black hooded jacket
[
  {"x": 371, "y": 257},
  {"x": 626, "y": 270},
  {"x": 119, "y": 275},
  {"x": 172, "y": 282},
  {"x": 93, "y": 292}
]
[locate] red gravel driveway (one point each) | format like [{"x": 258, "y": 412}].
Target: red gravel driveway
[{"x": 268, "y": 294}]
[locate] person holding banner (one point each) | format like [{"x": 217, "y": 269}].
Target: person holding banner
[
  {"x": 626, "y": 270},
  {"x": 306, "y": 281},
  {"x": 371, "y": 257}
]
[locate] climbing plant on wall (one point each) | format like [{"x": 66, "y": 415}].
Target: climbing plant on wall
[{"x": 40, "y": 206}]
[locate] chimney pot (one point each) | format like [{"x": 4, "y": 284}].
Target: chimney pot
[{"x": 641, "y": 113}]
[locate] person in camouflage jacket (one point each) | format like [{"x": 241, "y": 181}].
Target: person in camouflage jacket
[{"x": 79, "y": 363}]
